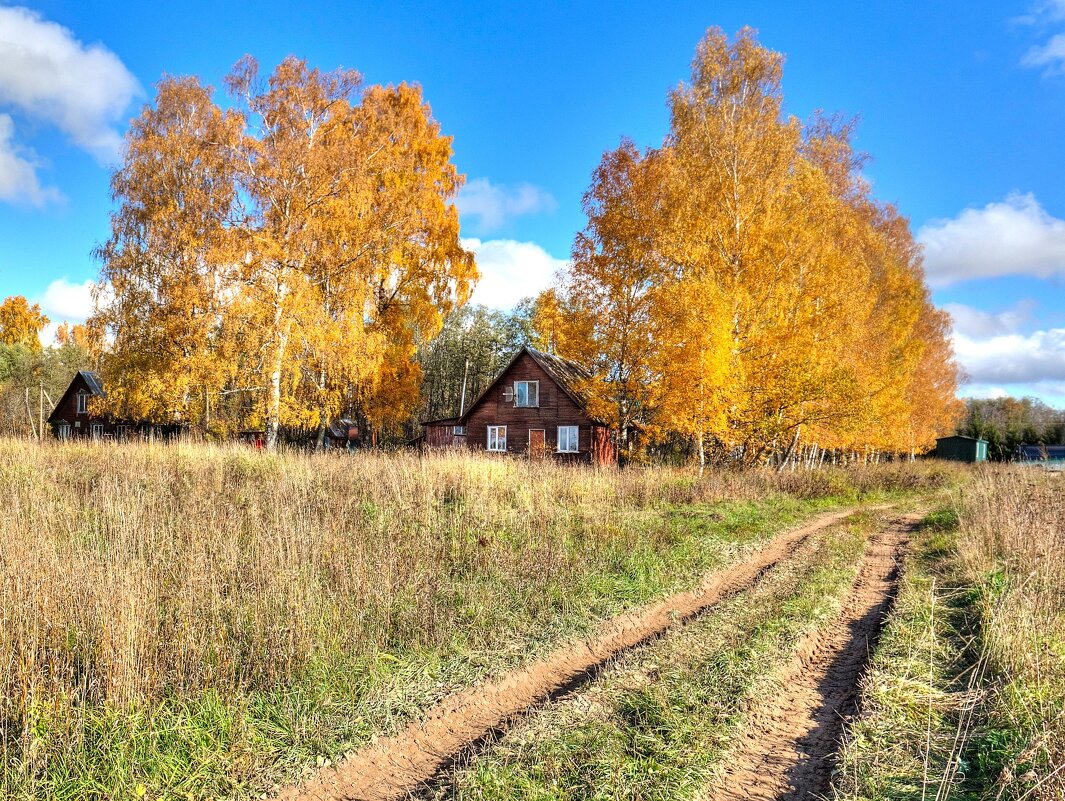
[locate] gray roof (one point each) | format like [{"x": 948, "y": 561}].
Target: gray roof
[
  {"x": 571, "y": 378},
  {"x": 569, "y": 375},
  {"x": 93, "y": 380},
  {"x": 90, "y": 379}
]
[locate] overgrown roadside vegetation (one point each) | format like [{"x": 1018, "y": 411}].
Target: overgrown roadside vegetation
[
  {"x": 206, "y": 622},
  {"x": 658, "y": 722},
  {"x": 965, "y": 697}
]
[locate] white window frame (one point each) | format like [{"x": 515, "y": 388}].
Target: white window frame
[
  {"x": 497, "y": 435},
  {"x": 576, "y": 439},
  {"x": 64, "y": 430},
  {"x": 527, "y": 384},
  {"x": 459, "y": 431},
  {"x": 83, "y": 403},
  {"x": 97, "y": 431}
]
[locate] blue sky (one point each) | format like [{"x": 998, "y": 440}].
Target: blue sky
[{"x": 962, "y": 108}]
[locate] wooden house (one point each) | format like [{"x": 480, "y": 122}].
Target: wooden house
[
  {"x": 75, "y": 418},
  {"x": 535, "y": 408}
]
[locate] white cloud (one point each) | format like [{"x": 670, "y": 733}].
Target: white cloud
[
  {"x": 492, "y": 205},
  {"x": 998, "y": 359},
  {"x": 1051, "y": 55},
  {"x": 18, "y": 170},
  {"x": 65, "y": 301},
  {"x": 511, "y": 271},
  {"x": 1013, "y": 359},
  {"x": 978, "y": 323},
  {"x": 1014, "y": 237},
  {"x": 47, "y": 75},
  {"x": 985, "y": 391}
]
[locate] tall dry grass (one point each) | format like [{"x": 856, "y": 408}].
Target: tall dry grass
[
  {"x": 138, "y": 575},
  {"x": 1012, "y": 545}
]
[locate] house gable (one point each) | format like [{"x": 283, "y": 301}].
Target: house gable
[{"x": 66, "y": 410}]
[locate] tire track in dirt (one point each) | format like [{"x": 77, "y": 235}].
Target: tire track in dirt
[
  {"x": 394, "y": 767},
  {"x": 788, "y": 751}
]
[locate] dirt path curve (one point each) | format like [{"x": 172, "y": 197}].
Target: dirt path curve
[
  {"x": 393, "y": 767},
  {"x": 788, "y": 752}
]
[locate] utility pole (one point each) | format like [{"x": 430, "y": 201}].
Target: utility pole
[
  {"x": 465, "y": 375},
  {"x": 29, "y": 412}
]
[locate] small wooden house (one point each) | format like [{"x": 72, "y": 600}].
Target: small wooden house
[
  {"x": 535, "y": 408},
  {"x": 72, "y": 418},
  {"x": 75, "y": 418}
]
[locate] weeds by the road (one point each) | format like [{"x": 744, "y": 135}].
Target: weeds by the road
[{"x": 919, "y": 691}]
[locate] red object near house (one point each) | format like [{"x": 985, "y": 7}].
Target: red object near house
[{"x": 535, "y": 408}]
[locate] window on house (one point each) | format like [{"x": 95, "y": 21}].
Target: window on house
[
  {"x": 459, "y": 431},
  {"x": 64, "y": 430},
  {"x": 497, "y": 438},
  {"x": 567, "y": 439},
  {"x": 526, "y": 393},
  {"x": 122, "y": 433},
  {"x": 97, "y": 431},
  {"x": 83, "y": 403}
]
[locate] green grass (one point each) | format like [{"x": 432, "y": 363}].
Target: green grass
[{"x": 657, "y": 723}]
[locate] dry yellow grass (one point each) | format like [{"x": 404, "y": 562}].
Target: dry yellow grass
[
  {"x": 190, "y": 616},
  {"x": 1012, "y": 544}
]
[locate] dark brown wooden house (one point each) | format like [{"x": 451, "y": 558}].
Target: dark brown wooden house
[
  {"x": 75, "y": 418},
  {"x": 535, "y": 408}
]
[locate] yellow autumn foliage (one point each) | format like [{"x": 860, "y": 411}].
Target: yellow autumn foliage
[{"x": 740, "y": 286}]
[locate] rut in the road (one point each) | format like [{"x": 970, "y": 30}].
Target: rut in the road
[
  {"x": 393, "y": 767},
  {"x": 789, "y": 748}
]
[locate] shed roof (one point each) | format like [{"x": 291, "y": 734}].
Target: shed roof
[
  {"x": 569, "y": 376},
  {"x": 960, "y": 436}
]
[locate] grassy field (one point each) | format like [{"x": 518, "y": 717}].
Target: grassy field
[
  {"x": 965, "y": 698},
  {"x": 206, "y": 622}
]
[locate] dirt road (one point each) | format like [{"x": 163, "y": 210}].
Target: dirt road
[
  {"x": 790, "y": 743},
  {"x": 393, "y": 767}
]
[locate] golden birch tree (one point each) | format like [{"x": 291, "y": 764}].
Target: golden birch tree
[
  {"x": 291, "y": 247},
  {"x": 21, "y": 323}
]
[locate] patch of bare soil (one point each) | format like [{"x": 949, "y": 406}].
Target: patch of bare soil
[
  {"x": 396, "y": 766},
  {"x": 791, "y": 742}
]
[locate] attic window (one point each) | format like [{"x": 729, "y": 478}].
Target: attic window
[
  {"x": 83, "y": 403},
  {"x": 527, "y": 393}
]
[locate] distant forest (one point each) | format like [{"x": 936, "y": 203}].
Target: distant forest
[{"x": 1008, "y": 422}]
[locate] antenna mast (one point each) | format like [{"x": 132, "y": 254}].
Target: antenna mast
[{"x": 465, "y": 375}]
